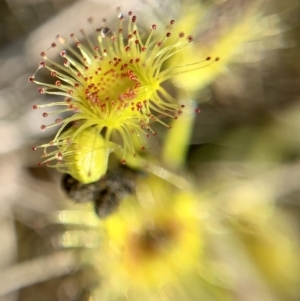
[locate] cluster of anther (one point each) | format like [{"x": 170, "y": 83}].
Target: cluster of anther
[{"x": 116, "y": 80}]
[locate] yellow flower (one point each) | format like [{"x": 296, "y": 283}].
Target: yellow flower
[
  {"x": 150, "y": 243},
  {"x": 169, "y": 244},
  {"x": 225, "y": 42},
  {"x": 114, "y": 85}
]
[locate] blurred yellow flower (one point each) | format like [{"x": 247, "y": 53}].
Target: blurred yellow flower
[
  {"x": 226, "y": 42},
  {"x": 150, "y": 244},
  {"x": 169, "y": 244}
]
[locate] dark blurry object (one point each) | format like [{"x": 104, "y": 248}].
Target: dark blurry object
[{"x": 107, "y": 193}]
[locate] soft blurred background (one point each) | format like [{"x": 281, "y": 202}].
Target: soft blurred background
[{"x": 245, "y": 147}]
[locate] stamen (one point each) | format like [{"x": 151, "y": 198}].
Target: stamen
[{"x": 112, "y": 86}]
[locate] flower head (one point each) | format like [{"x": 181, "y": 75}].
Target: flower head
[
  {"x": 151, "y": 243},
  {"x": 115, "y": 85}
]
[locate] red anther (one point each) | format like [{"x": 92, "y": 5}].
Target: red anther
[
  {"x": 134, "y": 155},
  {"x": 53, "y": 45},
  {"x": 154, "y": 134},
  {"x": 190, "y": 39},
  {"x": 45, "y": 114},
  {"x": 59, "y": 156},
  {"x": 41, "y": 65},
  {"x": 197, "y": 111},
  {"x": 168, "y": 34},
  {"x": 182, "y": 106},
  {"x": 169, "y": 127},
  {"x": 58, "y": 120},
  {"x": 123, "y": 162},
  {"x": 43, "y": 54},
  {"x": 137, "y": 60},
  {"x": 153, "y": 26},
  {"x": 133, "y": 19},
  {"x": 53, "y": 73},
  {"x": 148, "y": 135},
  {"x": 76, "y": 85},
  {"x": 34, "y": 107},
  {"x": 143, "y": 48},
  {"x": 181, "y": 34},
  {"x": 143, "y": 148},
  {"x": 77, "y": 44},
  {"x": 34, "y": 148},
  {"x": 208, "y": 58},
  {"x": 39, "y": 164},
  {"x": 31, "y": 79},
  {"x": 41, "y": 90},
  {"x": 129, "y": 13},
  {"x": 172, "y": 22},
  {"x": 217, "y": 59},
  {"x": 58, "y": 83},
  {"x": 43, "y": 127},
  {"x": 63, "y": 53},
  {"x": 127, "y": 48}
]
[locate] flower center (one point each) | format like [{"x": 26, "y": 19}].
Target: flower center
[
  {"x": 113, "y": 91},
  {"x": 152, "y": 241}
]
